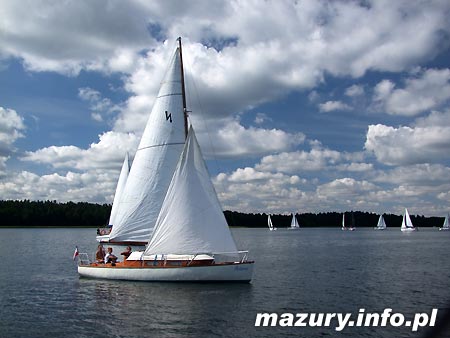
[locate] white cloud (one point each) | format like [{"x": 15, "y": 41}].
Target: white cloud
[
  {"x": 424, "y": 175},
  {"x": 425, "y": 91},
  {"x": 434, "y": 119},
  {"x": 70, "y": 36},
  {"x": 355, "y": 90},
  {"x": 11, "y": 129},
  {"x": 406, "y": 145},
  {"x": 261, "y": 118},
  {"x": 333, "y": 105},
  {"x": 383, "y": 90},
  {"x": 318, "y": 158},
  {"x": 275, "y": 192},
  {"x": 234, "y": 140},
  {"x": 98, "y": 104},
  {"x": 345, "y": 188},
  {"x": 94, "y": 186},
  {"x": 108, "y": 153}
]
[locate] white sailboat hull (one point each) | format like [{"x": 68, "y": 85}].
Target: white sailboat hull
[
  {"x": 235, "y": 272},
  {"x": 444, "y": 229}
]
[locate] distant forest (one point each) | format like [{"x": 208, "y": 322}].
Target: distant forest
[{"x": 53, "y": 214}]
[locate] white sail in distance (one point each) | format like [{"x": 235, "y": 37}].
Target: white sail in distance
[
  {"x": 269, "y": 223},
  {"x": 155, "y": 161},
  {"x": 406, "y": 222},
  {"x": 294, "y": 223},
  {"x": 191, "y": 220},
  {"x": 381, "y": 223}
]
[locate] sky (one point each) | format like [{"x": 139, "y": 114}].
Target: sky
[{"x": 299, "y": 106}]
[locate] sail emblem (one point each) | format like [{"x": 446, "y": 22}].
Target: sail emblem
[{"x": 168, "y": 116}]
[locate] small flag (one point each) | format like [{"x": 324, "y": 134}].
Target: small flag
[{"x": 75, "y": 254}]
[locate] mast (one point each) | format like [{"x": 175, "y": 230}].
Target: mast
[{"x": 183, "y": 90}]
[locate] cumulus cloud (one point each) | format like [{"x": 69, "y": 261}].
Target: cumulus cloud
[
  {"x": 355, "y": 90},
  {"x": 276, "y": 191},
  {"x": 234, "y": 140},
  {"x": 70, "y": 36},
  {"x": 427, "y": 175},
  {"x": 407, "y": 145},
  {"x": 240, "y": 56},
  {"x": 345, "y": 188},
  {"x": 11, "y": 128},
  {"x": 261, "y": 118},
  {"x": 108, "y": 153},
  {"x": 425, "y": 91},
  {"x": 333, "y": 105},
  {"x": 318, "y": 158},
  {"x": 98, "y": 105},
  {"x": 95, "y": 186}
]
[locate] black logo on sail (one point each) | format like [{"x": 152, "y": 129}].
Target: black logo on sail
[{"x": 168, "y": 116}]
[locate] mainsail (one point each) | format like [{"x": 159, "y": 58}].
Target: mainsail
[
  {"x": 191, "y": 220},
  {"x": 446, "y": 225},
  {"x": 381, "y": 223},
  {"x": 269, "y": 223},
  {"x": 155, "y": 160}
]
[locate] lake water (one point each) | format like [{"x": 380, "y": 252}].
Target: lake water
[{"x": 309, "y": 270}]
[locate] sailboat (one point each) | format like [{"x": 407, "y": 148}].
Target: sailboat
[
  {"x": 269, "y": 224},
  {"x": 343, "y": 222},
  {"x": 381, "y": 225},
  {"x": 350, "y": 228},
  {"x": 407, "y": 225},
  {"x": 191, "y": 240},
  {"x": 103, "y": 233},
  {"x": 154, "y": 162},
  {"x": 294, "y": 223},
  {"x": 446, "y": 225}
]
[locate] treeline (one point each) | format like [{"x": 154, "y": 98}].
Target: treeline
[{"x": 54, "y": 214}]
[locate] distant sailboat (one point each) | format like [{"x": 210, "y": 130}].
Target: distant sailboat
[
  {"x": 269, "y": 224},
  {"x": 350, "y": 228},
  {"x": 343, "y": 222},
  {"x": 191, "y": 240},
  {"x": 381, "y": 223},
  {"x": 103, "y": 233},
  {"x": 407, "y": 225},
  {"x": 446, "y": 225},
  {"x": 294, "y": 223}
]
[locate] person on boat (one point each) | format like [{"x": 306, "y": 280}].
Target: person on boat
[
  {"x": 110, "y": 258},
  {"x": 100, "y": 254},
  {"x": 126, "y": 253}
]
